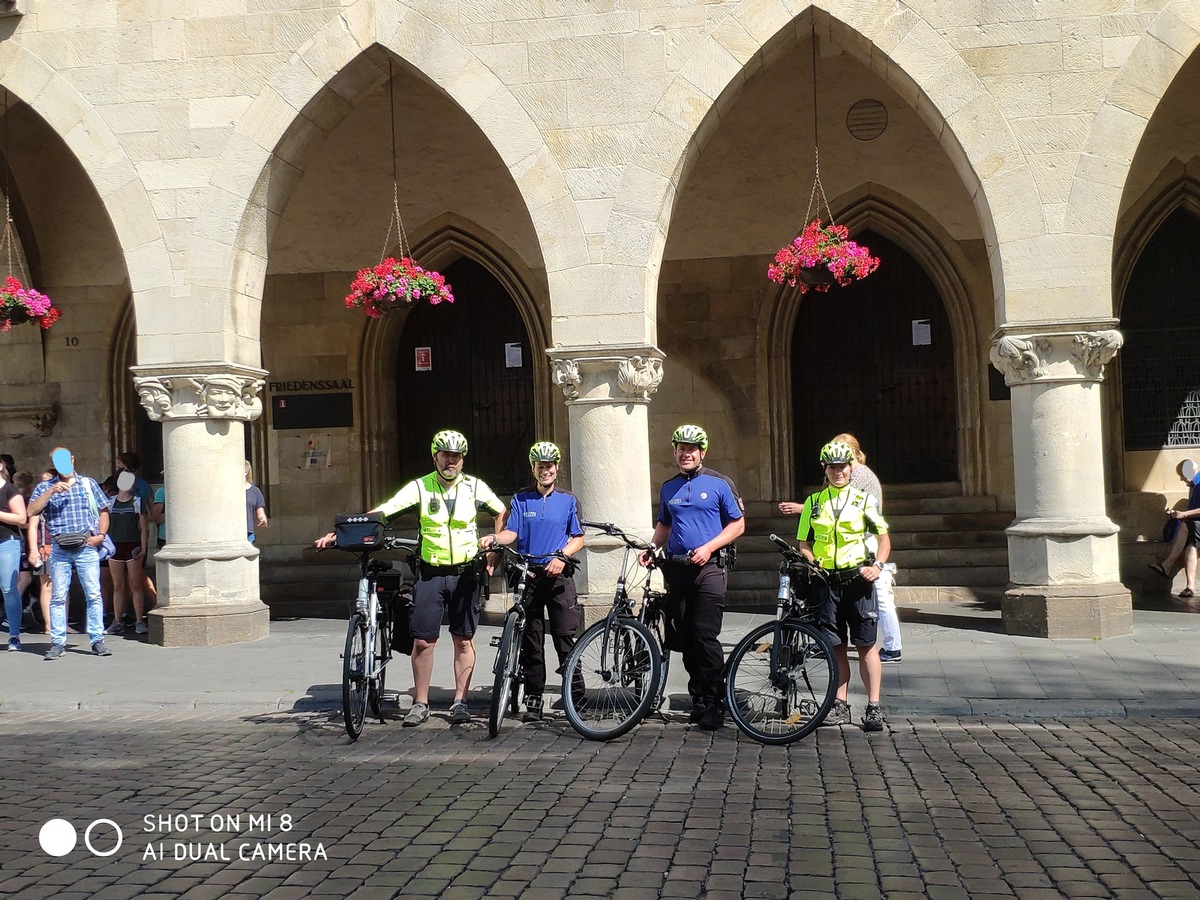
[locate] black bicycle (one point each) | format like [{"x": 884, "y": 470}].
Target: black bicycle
[
  {"x": 781, "y": 679},
  {"x": 617, "y": 672},
  {"x": 369, "y": 631},
  {"x": 506, "y": 685}
]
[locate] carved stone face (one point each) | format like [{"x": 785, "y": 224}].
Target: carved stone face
[{"x": 221, "y": 398}]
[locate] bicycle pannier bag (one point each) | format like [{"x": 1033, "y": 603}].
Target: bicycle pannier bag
[
  {"x": 398, "y": 599},
  {"x": 360, "y": 532}
]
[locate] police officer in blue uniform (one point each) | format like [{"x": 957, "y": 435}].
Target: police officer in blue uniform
[
  {"x": 700, "y": 515},
  {"x": 543, "y": 521}
]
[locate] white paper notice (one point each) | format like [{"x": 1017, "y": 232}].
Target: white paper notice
[
  {"x": 921, "y": 333},
  {"x": 512, "y": 356}
]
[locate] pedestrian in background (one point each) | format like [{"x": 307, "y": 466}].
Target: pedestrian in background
[
  {"x": 12, "y": 519},
  {"x": 256, "y": 505}
]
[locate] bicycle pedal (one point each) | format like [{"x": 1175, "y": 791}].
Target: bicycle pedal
[{"x": 494, "y": 642}]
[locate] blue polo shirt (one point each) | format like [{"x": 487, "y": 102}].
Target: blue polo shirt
[
  {"x": 543, "y": 525},
  {"x": 697, "y": 507}
]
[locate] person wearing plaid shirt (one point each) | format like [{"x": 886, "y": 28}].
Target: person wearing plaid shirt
[{"x": 76, "y": 513}]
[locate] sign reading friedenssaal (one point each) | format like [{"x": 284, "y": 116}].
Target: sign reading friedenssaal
[{"x": 292, "y": 387}]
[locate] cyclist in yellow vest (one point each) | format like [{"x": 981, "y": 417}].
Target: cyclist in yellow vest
[
  {"x": 447, "y": 502},
  {"x": 834, "y": 526}
]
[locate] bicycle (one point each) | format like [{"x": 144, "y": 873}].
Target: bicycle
[
  {"x": 507, "y": 673},
  {"x": 781, "y": 678},
  {"x": 369, "y": 632},
  {"x": 617, "y": 671}
]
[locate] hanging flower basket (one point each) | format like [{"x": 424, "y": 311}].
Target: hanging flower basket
[
  {"x": 394, "y": 284},
  {"x": 819, "y": 257},
  {"x": 19, "y": 304}
]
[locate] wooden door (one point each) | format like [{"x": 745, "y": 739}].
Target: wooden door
[
  {"x": 876, "y": 359},
  {"x": 476, "y": 382}
]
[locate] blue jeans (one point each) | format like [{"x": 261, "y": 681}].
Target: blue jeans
[
  {"x": 10, "y": 565},
  {"x": 86, "y": 563}
]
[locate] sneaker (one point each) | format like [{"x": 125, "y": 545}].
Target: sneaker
[
  {"x": 533, "y": 708},
  {"x": 873, "y": 718},
  {"x": 14, "y": 645},
  {"x": 889, "y": 656},
  {"x": 839, "y": 714},
  {"x": 417, "y": 715},
  {"x": 459, "y": 714},
  {"x": 141, "y": 627},
  {"x": 116, "y": 627},
  {"x": 55, "y": 651},
  {"x": 712, "y": 718},
  {"x": 98, "y": 649}
]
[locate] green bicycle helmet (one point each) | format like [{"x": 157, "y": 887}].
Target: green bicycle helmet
[
  {"x": 690, "y": 434},
  {"x": 837, "y": 453},
  {"x": 544, "y": 451},
  {"x": 450, "y": 441}
]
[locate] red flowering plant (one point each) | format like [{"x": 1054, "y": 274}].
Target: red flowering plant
[
  {"x": 20, "y": 304},
  {"x": 396, "y": 283},
  {"x": 820, "y": 255}
]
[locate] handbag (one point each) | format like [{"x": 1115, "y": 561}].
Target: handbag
[{"x": 71, "y": 540}]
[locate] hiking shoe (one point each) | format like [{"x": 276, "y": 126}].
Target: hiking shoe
[
  {"x": 459, "y": 714},
  {"x": 873, "y": 718},
  {"x": 117, "y": 627},
  {"x": 98, "y": 649},
  {"x": 533, "y": 708},
  {"x": 55, "y": 651},
  {"x": 839, "y": 714},
  {"x": 141, "y": 627},
  {"x": 14, "y": 645},
  {"x": 889, "y": 656},
  {"x": 418, "y": 715},
  {"x": 712, "y": 718}
]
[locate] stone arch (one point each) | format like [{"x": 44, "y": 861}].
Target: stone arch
[
  {"x": 103, "y": 159},
  {"x": 899, "y": 220},
  {"x": 891, "y": 39},
  {"x": 1094, "y": 201},
  {"x": 447, "y": 241},
  {"x": 266, "y": 153}
]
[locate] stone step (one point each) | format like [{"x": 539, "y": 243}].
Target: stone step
[
  {"x": 743, "y": 599},
  {"x": 993, "y": 520},
  {"x": 898, "y": 505},
  {"x": 904, "y": 558},
  {"x": 934, "y": 576}
]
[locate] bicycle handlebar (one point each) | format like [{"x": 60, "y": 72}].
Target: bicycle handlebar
[
  {"x": 613, "y": 531},
  {"x": 793, "y": 555}
]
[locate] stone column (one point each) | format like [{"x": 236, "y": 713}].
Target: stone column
[
  {"x": 208, "y": 571},
  {"x": 1062, "y": 547},
  {"x": 608, "y": 391}
]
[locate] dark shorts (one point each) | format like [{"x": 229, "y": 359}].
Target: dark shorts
[
  {"x": 125, "y": 550},
  {"x": 848, "y": 613},
  {"x": 436, "y": 594},
  {"x": 1193, "y": 531}
]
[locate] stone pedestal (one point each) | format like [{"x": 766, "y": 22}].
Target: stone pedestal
[
  {"x": 607, "y": 391},
  {"x": 208, "y": 590},
  {"x": 1062, "y": 547}
]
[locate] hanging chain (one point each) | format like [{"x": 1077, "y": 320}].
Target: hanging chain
[
  {"x": 395, "y": 223},
  {"x": 817, "y": 195},
  {"x": 8, "y": 238}
]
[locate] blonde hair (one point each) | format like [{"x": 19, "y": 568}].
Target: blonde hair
[
  {"x": 249, "y": 473},
  {"x": 846, "y": 438}
]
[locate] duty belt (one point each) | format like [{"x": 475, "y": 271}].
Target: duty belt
[
  {"x": 460, "y": 569},
  {"x": 844, "y": 576}
]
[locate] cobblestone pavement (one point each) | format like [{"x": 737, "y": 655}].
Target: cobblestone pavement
[{"x": 933, "y": 807}]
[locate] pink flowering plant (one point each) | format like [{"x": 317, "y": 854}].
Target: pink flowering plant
[
  {"x": 396, "y": 283},
  {"x": 802, "y": 264},
  {"x": 20, "y": 304}
]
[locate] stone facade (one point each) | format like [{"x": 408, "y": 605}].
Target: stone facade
[{"x": 195, "y": 182}]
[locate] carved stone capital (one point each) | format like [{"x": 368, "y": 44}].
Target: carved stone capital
[
  {"x": 203, "y": 391},
  {"x": 1054, "y": 351},
  {"x": 614, "y": 374}
]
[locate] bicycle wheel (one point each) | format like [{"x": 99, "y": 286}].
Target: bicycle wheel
[
  {"x": 383, "y": 653},
  {"x": 610, "y": 679},
  {"x": 654, "y": 621},
  {"x": 781, "y": 683},
  {"x": 354, "y": 676},
  {"x": 505, "y": 669}
]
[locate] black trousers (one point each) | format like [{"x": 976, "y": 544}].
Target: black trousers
[
  {"x": 552, "y": 598},
  {"x": 695, "y": 605}
]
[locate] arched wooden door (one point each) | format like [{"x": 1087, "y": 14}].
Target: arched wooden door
[
  {"x": 876, "y": 359},
  {"x": 468, "y": 366}
]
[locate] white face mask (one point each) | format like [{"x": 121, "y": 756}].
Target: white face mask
[{"x": 125, "y": 481}]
